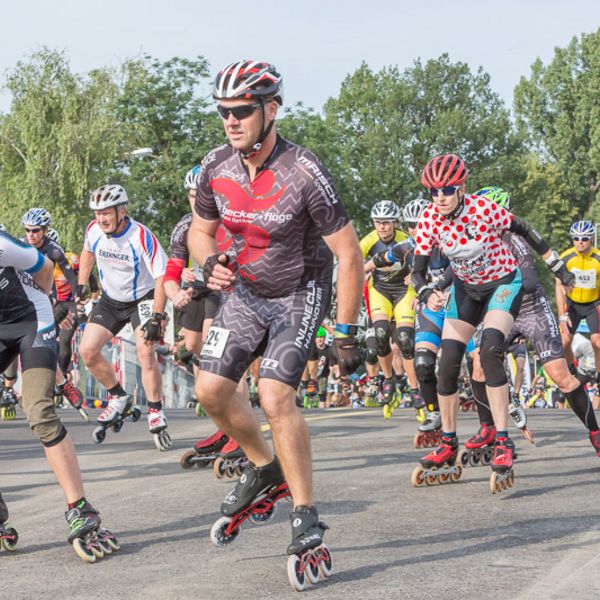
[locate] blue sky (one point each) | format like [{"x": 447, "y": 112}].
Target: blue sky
[{"x": 315, "y": 44}]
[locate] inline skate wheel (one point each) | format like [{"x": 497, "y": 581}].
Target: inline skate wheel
[
  {"x": 486, "y": 457},
  {"x": 108, "y": 539},
  {"x": 136, "y": 414},
  {"x": 217, "y": 532},
  {"x": 260, "y": 518},
  {"x": 239, "y": 470},
  {"x": 117, "y": 425},
  {"x": 184, "y": 461},
  {"x": 312, "y": 567},
  {"x": 162, "y": 440},
  {"x": 99, "y": 434},
  {"x": 417, "y": 478},
  {"x": 218, "y": 468},
  {"x": 10, "y": 545},
  {"x": 457, "y": 473},
  {"x": 83, "y": 551},
  {"x": 474, "y": 460},
  {"x": 326, "y": 563},
  {"x": 387, "y": 413},
  {"x": 418, "y": 441},
  {"x": 463, "y": 457},
  {"x": 296, "y": 573},
  {"x": 230, "y": 472}
]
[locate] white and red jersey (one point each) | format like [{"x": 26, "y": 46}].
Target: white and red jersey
[
  {"x": 128, "y": 263},
  {"x": 471, "y": 239}
]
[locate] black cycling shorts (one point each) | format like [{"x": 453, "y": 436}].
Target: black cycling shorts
[
  {"x": 200, "y": 308},
  {"x": 114, "y": 315},
  {"x": 518, "y": 349},
  {"x": 590, "y": 311},
  {"x": 37, "y": 350},
  {"x": 280, "y": 330},
  {"x": 470, "y": 303}
]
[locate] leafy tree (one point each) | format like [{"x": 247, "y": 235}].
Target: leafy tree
[
  {"x": 59, "y": 136},
  {"x": 558, "y": 109},
  {"x": 387, "y": 125}
]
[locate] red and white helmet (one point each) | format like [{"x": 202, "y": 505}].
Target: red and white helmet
[
  {"x": 444, "y": 170},
  {"x": 248, "y": 79},
  {"x": 108, "y": 196}
]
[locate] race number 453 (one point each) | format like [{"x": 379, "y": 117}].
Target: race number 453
[{"x": 215, "y": 342}]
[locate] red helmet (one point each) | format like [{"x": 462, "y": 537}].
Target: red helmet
[
  {"x": 248, "y": 79},
  {"x": 447, "y": 169}
]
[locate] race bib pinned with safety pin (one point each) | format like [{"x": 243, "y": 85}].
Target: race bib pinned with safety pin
[
  {"x": 145, "y": 309},
  {"x": 214, "y": 346}
]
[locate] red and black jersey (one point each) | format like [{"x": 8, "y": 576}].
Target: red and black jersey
[{"x": 277, "y": 222}]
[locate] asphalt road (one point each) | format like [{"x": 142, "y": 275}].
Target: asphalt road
[{"x": 540, "y": 539}]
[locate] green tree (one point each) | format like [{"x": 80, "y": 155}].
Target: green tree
[
  {"x": 59, "y": 136},
  {"x": 161, "y": 106},
  {"x": 558, "y": 109},
  {"x": 387, "y": 124}
]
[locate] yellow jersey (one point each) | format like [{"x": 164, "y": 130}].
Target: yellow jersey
[{"x": 586, "y": 268}]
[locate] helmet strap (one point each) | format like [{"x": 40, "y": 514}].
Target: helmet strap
[
  {"x": 119, "y": 222},
  {"x": 256, "y": 147}
]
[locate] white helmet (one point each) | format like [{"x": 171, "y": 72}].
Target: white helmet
[
  {"x": 413, "y": 209},
  {"x": 53, "y": 235},
  {"x": 385, "y": 210},
  {"x": 108, "y": 196},
  {"x": 191, "y": 178}
]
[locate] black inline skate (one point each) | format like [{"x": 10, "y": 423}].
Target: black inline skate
[
  {"x": 8, "y": 405},
  {"x": 113, "y": 417},
  {"x": 90, "y": 541},
  {"x": 8, "y": 535},
  {"x": 231, "y": 461},
  {"x": 205, "y": 451},
  {"x": 429, "y": 433},
  {"x": 254, "y": 497},
  {"x": 309, "y": 556}
]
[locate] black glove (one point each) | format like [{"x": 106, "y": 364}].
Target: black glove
[
  {"x": 152, "y": 328},
  {"x": 347, "y": 353},
  {"x": 82, "y": 292},
  {"x": 380, "y": 260},
  {"x": 60, "y": 312},
  {"x": 211, "y": 262},
  {"x": 557, "y": 266},
  {"x": 425, "y": 292}
]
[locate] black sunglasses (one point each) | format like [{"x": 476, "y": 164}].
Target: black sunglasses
[
  {"x": 238, "y": 112},
  {"x": 36, "y": 230}
]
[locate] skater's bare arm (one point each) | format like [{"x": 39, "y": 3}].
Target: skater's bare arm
[
  {"x": 86, "y": 264},
  {"x": 350, "y": 279}
]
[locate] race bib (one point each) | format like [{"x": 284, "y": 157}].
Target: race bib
[
  {"x": 145, "y": 309},
  {"x": 215, "y": 342},
  {"x": 584, "y": 279}
]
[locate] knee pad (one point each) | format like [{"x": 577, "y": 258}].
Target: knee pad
[
  {"x": 491, "y": 352},
  {"x": 382, "y": 337},
  {"x": 449, "y": 371},
  {"x": 371, "y": 358},
  {"x": 405, "y": 339},
  {"x": 425, "y": 364}
]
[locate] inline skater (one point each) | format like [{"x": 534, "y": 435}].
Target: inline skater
[
  {"x": 36, "y": 222},
  {"x": 132, "y": 265},
  {"x": 390, "y": 297},
  {"x": 487, "y": 287},
  {"x": 536, "y": 322},
  {"x": 27, "y": 332},
  {"x": 428, "y": 328},
  {"x": 582, "y": 301},
  {"x": 287, "y": 222}
]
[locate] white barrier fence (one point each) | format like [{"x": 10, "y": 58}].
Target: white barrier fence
[{"x": 178, "y": 383}]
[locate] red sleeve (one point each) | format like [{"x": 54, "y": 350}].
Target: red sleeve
[{"x": 175, "y": 267}]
